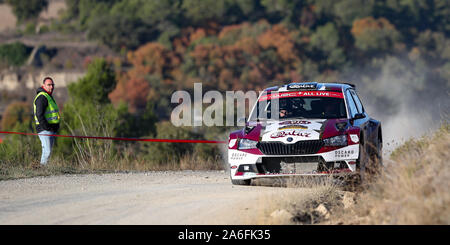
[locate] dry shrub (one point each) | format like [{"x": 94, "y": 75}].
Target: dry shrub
[
  {"x": 190, "y": 161},
  {"x": 195, "y": 162},
  {"x": 414, "y": 188},
  {"x": 15, "y": 113},
  {"x": 303, "y": 201}
]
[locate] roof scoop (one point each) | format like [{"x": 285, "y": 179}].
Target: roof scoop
[{"x": 302, "y": 86}]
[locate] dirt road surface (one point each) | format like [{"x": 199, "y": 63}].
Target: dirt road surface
[{"x": 160, "y": 198}]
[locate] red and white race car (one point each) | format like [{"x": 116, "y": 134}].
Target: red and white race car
[{"x": 305, "y": 129}]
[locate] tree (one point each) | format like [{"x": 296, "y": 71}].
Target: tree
[
  {"x": 349, "y": 10},
  {"x": 118, "y": 31},
  {"x": 148, "y": 80},
  {"x": 16, "y": 113},
  {"x": 27, "y": 9},
  {"x": 434, "y": 47},
  {"x": 14, "y": 54},
  {"x": 288, "y": 10},
  {"x": 89, "y": 111},
  {"x": 136, "y": 124},
  {"x": 150, "y": 12},
  {"x": 85, "y": 11},
  {"x": 165, "y": 152},
  {"x": 18, "y": 150},
  {"x": 411, "y": 16},
  {"x": 202, "y": 11},
  {"x": 94, "y": 88},
  {"x": 326, "y": 40},
  {"x": 375, "y": 35}
]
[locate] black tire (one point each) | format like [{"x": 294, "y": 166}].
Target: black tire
[
  {"x": 376, "y": 161},
  {"x": 362, "y": 162},
  {"x": 241, "y": 182}
]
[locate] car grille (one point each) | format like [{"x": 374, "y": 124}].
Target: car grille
[{"x": 298, "y": 148}]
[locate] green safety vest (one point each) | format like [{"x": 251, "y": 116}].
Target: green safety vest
[{"x": 51, "y": 112}]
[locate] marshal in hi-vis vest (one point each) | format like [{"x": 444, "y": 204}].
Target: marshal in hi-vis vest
[{"x": 51, "y": 112}]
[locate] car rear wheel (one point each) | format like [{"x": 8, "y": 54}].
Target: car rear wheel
[{"x": 376, "y": 160}]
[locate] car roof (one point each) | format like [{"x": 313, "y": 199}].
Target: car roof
[{"x": 337, "y": 86}]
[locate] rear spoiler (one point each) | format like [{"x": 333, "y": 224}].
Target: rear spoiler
[{"x": 351, "y": 85}]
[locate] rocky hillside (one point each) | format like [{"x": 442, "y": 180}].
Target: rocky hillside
[{"x": 63, "y": 56}]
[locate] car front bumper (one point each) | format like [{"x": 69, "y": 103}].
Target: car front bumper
[{"x": 251, "y": 164}]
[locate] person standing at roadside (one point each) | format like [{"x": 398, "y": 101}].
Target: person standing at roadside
[{"x": 46, "y": 117}]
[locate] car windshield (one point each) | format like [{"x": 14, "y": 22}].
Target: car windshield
[{"x": 297, "y": 105}]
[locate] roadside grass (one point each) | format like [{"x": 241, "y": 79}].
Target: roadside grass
[
  {"x": 26, "y": 167},
  {"x": 412, "y": 189},
  {"x": 20, "y": 155}
]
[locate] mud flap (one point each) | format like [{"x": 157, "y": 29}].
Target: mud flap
[{"x": 351, "y": 165}]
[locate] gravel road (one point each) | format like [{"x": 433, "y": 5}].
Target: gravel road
[{"x": 160, "y": 198}]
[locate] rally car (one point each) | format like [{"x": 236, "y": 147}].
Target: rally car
[{"x": 306, "y": 129}]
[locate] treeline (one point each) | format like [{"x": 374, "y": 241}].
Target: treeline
[
  {"x": 131, "y": 23},
  {"x": 247, "y": 44}
]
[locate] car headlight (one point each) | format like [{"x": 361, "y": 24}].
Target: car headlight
[
  {"x": 247, "y": 144},
  {"x": 340, "y": 140}
]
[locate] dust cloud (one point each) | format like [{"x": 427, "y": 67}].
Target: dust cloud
[
  {"x": 405, "y": 99},
  {"x": 409, "y": 100}
]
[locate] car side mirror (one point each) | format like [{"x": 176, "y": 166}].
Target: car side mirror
[{"x": 359, "y": 116}]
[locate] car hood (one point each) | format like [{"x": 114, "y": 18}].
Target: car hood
[{"x": 291, "y": 131}]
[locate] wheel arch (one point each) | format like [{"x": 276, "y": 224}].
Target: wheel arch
[{"x": 380, "y": 134}]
